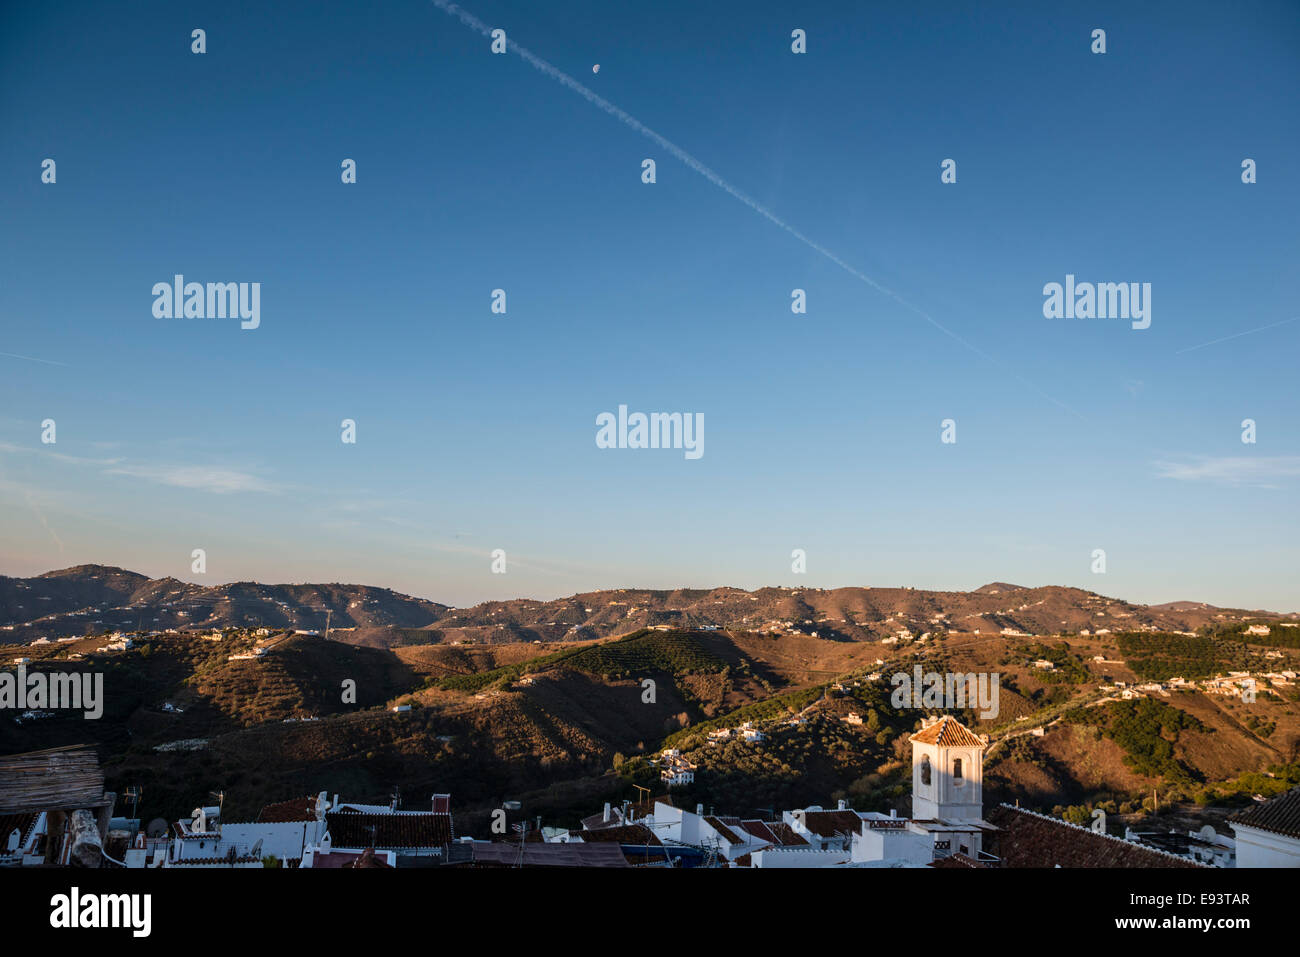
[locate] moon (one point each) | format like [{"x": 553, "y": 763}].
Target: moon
[{"x": 596, "y": 68}]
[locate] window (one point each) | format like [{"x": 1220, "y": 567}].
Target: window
[
  {"x": 925, "y": 770},
  {"x": 956, "y": 770}
]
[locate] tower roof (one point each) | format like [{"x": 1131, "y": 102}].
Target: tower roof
[{"x": 948, "y": 732}]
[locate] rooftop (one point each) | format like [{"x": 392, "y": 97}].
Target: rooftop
[
  {"x": 1281, "y": 815},
  {"x": 1029, "y": 839},
  {"x": 296, "y": 809},
  {"x": 364, "y": 829},
  {"x": 948, "y": 732}
]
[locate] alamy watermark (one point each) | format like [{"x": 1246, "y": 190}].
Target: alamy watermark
[
  {"x": 55, "y": 690},
  {"x": 75, "y": 910},
  {"x": 656, "y": 430},
  {"x": 948, "y": 691},
  {"x": 1103, "y": 300},
  {"x": 179, "y": 299}
]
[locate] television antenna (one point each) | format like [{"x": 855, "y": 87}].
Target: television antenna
[{"x": 133, "y": 794}]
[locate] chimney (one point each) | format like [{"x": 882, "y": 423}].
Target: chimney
[
  {"x": 843, "y": 805},
  {"x": 605, "y": 818},
  {"x": 893, "y": 812},
  {"x": 699, "y": 810}
]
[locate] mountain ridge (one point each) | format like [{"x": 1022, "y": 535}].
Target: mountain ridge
[{"x": 91, "y": 598}]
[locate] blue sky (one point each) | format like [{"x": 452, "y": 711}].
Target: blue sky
[{"x": 476, "y": 431}]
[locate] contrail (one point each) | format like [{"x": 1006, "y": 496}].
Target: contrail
[
  {"x": 48, "y": 362},
  {"x": 1215, "y": 342},
  {"x": 474, "y": 23},
  {"x": 41, "y": 516}
]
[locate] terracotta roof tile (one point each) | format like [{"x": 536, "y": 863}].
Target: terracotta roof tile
[
  {"x": 786, "y": 835},
  {"x": 1027, "y": 839},
  {"x": 297, "y": 809},
  {"x": 774, "y": 832},
  {"x": 1281, "y": 815},
  {"x": 760, "y": 830},
  {"x": 948, "y": 732},
  {"x": 388, "y": 831},
  {"x": 547, "y": 855},
  {"x": 332, "y": 860},
  {"x": 725, "y": 832},
  {"x": 832, "y": 823}
]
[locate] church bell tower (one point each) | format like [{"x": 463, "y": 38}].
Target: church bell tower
[{"x": 947, "y": 771}]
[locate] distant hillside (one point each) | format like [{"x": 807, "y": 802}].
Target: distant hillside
[
  {"x": 997, "y": 588},
  {"x": 91, "y": 599},
  {"x": 565, "y": 726}
]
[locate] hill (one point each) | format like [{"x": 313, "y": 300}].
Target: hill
[
  {"x": 569, "y": 724},
  {"x": 568, "y": 703},
  {"x": 91, "y": 599}
]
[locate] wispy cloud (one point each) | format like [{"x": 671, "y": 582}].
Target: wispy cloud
[
  {"x": 1232, "y": 470},
  {"x": 57, "y": 456},
  {"x": 202, "y": 477},
  {"x": 80, "y": 460}
]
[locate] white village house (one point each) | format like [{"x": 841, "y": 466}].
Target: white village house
[{"x": 1268, "y": 835}]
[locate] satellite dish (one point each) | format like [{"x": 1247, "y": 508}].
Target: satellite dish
[{"x": 157, "y": 828}]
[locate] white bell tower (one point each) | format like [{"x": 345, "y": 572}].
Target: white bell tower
[{"x": 947, "y": 771}]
